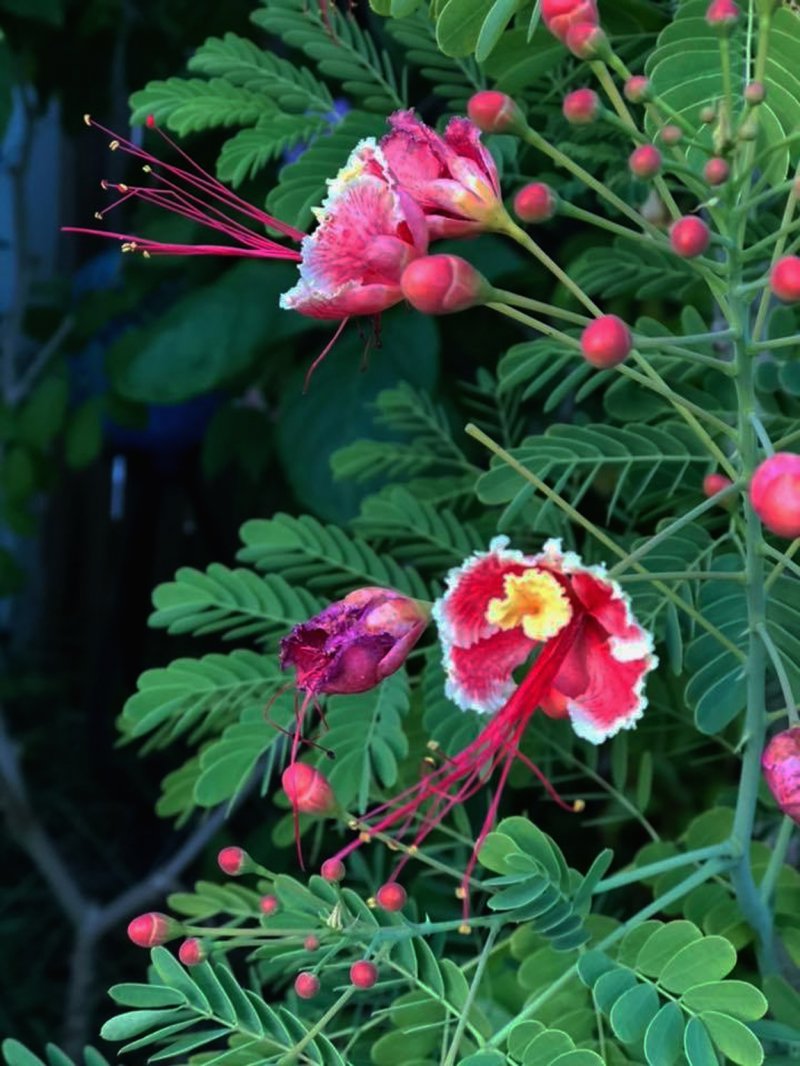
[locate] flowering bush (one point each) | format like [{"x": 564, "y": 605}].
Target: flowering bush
[{"x": 467, "y": 727}]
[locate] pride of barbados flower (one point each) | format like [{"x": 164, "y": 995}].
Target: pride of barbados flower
[{"x": 499, "y": 608}]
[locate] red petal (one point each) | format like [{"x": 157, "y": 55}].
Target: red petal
[
  {"x": 479, "y": 677},
  {"x": 461, "y": 613}
]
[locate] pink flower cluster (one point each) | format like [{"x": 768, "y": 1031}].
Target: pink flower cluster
[{"x": 389, "y": 200}]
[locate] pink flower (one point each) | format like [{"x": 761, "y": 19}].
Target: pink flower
[
  {"x": 559, "y": 16},
  {"x": 369, "y": 230},
  {"x": 354, "y": 643},
  {"x": 452, "y": 177},
  {"x": 499, "y": 607},
  {"x": 781, "y": 765}
]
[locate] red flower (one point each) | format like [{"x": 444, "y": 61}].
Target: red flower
[
  {"x": 498, "y": 608},
  {"x": 781, "y": 765},
  {"x": 452, "y": 177},
  {"x": 559, "y": 16}
]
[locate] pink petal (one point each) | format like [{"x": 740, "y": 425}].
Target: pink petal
[{"x": 479, "y": 677}]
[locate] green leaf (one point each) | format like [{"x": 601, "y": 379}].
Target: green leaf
[
  {"x": 734, "y": 1039},
  {"x": 84, "y": 434},
  {"x": 579, "y": 1057},
  {"x": 611, "y": 986},
  {"x": 249, "y": 150},
  {"x": 452, "y": 79},
  {"x": 129, "y": 995},
  {"x": 633, "y": 1012},
  {"x": 664, "y": 944},
  {"x": 697, "y": 1045},
  {"x": 545, "y": 1048},
  {"x": 186, "y": 105},
  {"x": 42, "y": 415},
  {"x": 16, "y": 1054},
  {"x": 735, "y": 998},
  {"x": 711, "y": 958},
  {"x": 663, "y": 1040}
]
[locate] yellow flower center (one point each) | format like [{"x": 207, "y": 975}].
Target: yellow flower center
[{"x": 534, "y": 600}]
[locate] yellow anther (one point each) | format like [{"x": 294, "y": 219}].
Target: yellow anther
[
  {"x": 147, "y": 168},
  {"x": 364, "y": 837},
  {"x": 114, "y": 145},
  {"x": 429, "y": 761},
  {"x": 578, "y": 806},
  {"x": 98, "y": 216},
  {"x": 372, "y": 902},
  {"x": 433, "y": 745},
  {"x": 465, "y": 929},
  {"x": 413, "y": 850},
  {"x": 352, "y": 824},
  {"x": 461, "y": 893},
  {"x": 145, "y": 254},
  {"x": 122, "y": 188},
  {"x": 87, "y": 119}
]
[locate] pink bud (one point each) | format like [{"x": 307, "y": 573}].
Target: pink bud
[
  {"x": 606, "y": 342},
  {"x": 689, "y": 236},
  {"x": 645, "y": 161},
  {"x": 671, "y": 134},
  {"x": 495, "y": 112},
  {"x": 714, "y": 483},
  {"x": 308, "y": 790},
  {"x": 755, "y": 93},
  {"x": 716, "y": 171},
  {"x": 153, "y": 928},
  {"x": 784, "y": 279},
  {"x": 535, "y": 202},
  {"x": 268, "y": 905},
  {"x": 311, "y": 943},
  {"x": 234, "y": 861},
  {"x": 333, "y": 870},
  {"x": 364, "y": 974},
  {"x": 637, "y": 89},
  {"x": 775, "y": 494},
  {"x": 781, "y": 765},
  {"x": 191, "y": 952},
  {"x": 150, "y": 122},
  {"x": 443, "y": 285},
  {"x": 722, "y": 14},
  {"x": 559, "y": 15},
  {"x": 581, "y": 107},
  {"x": 587, "y": 41},
  {"x": 306, "y": 985},
  {"x": 391, "y": 896},
  {"x": 708, "y": 114}
]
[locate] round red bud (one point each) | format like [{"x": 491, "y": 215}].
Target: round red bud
[
  {"x": 311, "y": 943},
  {"x": 306, "y": 985},
  {"x": 191, "y": 952},
  {"x": 234, "y": 861},
  {"x": 391, "y": 896},
  {"x": 494, "y": 112},
  {"x": 689, "y": 236},
  {"x": 149, "y": 930},
  {"x": 535, "y": 202},
  {"x": 606, "y": 342},
  {"x": 722, "y": 14},
  {"x": 308, "y": 790},
  {"x": 714, "y": 483},
  {"x": 581, "y": 107},
  {"x": 784, "y": 279},
  {"x": 775, "y": 494},
  {"x": 332, "y": 870},
  {"x": 269, "y": 905},
  {"x": 587, "y": 41},
  {"x": 781, "y": 765},
  {"x": 443, "y": 285},
  {"x": 716, "y": 171},
  {"x": 708, "y": 114},
  {"x": 559, "y": 15},
  {"x": 637, "y": 89},
  {"x": 755, "y": 93},
  {"x": 363, "y": 974},
  {"x": 645, "y": 161},
  {"x": 150, "y": 122},
  {"x": 671, "y": 134}
]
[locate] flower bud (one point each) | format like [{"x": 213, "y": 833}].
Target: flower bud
[
  {"x": 234, "y": 861},
  {"x": 722, "y": 15},
  {"x": 645, "y": 161},
  {"x": 637, "y": 89},
  {"x": 716, "y": 171},
  {"x": 153, "y": 928},
  {"x": 391, "y": 896},
  {"x": 332, "y": 870},
  {"x": 587, "y": 41},
  {"x": 581, "y": 107},
  {"x": 714, "y": 483},
  {"x": 306, "y": 985},
  {"x": 560, "y": 15},
  {"x": 689, "y": 236},
  {"x": 775, "y": 494},
  {"x": 535, "y": 202},
  {"x": 363, "y": 974},
  {"x": 268, "y": 905},
  {"x": 671, "y": 134},
  {"x": 784, "y": 279},
  {"x": 494, "y": 112},
  {"x": 191, "y": 952},
  {"x": 755, "y": 93},
  {"x": 308, "y": 790},
  {"x": 444, "y": 285},
  {"x": 781, "y": 765},
  {"x": 708, "y": 114},
  {"x": 311, "y": 943},
  {"x": 606, "y": 342}
]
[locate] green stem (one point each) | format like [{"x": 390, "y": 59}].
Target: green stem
[
  {"x": 466, "y": 1007},
  {"x": 318, "y": 1027},
  {"x": 780, "y": 673},
  {"x": 685, "y": 575},
  {"x": 699, "y": 877},
  {"x": 776, "y": 859},
  {"x": 784, "y": 562},
  {"x": 663, "y": 866},
  {"x": 535, "y": 323},
  {"x": 540, "y": 307},
  {"x": 524, "y": 239}
]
